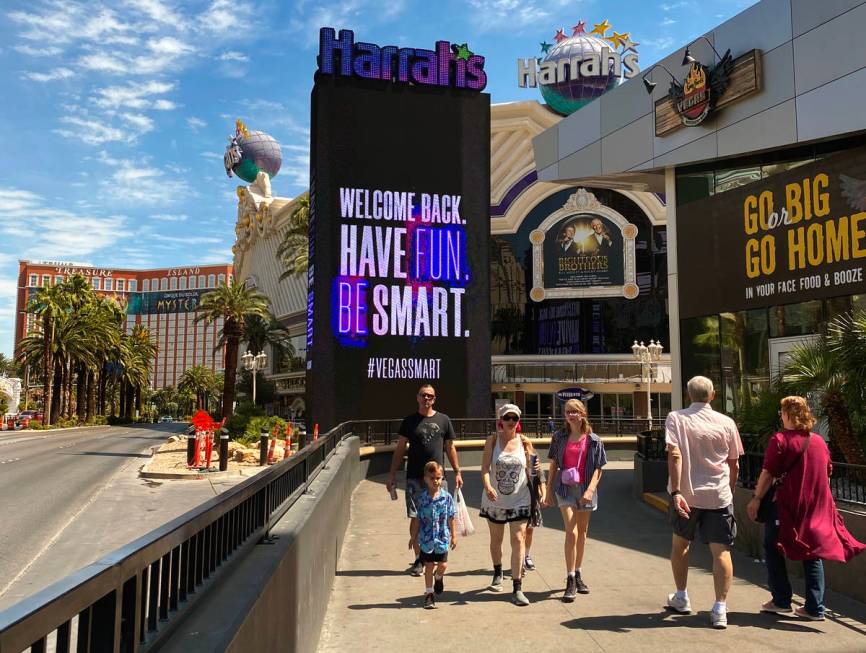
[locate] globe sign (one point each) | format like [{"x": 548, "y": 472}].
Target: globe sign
[
  {"x": 568, "y": 96},
  {"x": 259, "y": 152}
]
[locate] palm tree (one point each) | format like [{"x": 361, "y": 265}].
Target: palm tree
[
  {"x": 48, "y": 304},
  {"x": 293, "y": 251},
  {"x": 261, "y": 331},
  {"x": 821, "y": 367},
  {"x": 200, "y": 380},
  {"x": 234, "y": 304}
]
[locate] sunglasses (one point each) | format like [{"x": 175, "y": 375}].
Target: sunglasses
[
  {"x": 425, "y": 395},
  {"x": 511, "y": 418}
]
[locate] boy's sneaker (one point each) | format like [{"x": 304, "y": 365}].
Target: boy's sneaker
[
  {"x": 519, "y": 598},
  {"x": 496, "y": 585},
  {"x": 570, "y": 590},
  {"x": 429, "y": 602},
  {"x": 417, "y": 568},
  {"x": 579, "y": 585},
  {"x": 719, "y": 619},
  {"x": 439, "y": 585},
  {"x": 683, "y": 606},
  {"x": 527, "y": 563}
]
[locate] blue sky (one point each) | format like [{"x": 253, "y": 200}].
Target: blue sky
[{"x": 116, "y": 114}]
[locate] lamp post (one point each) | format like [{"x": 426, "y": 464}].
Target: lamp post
[
  {"x": 254, "y": 364},
  {"x": 647, "y": 355}
]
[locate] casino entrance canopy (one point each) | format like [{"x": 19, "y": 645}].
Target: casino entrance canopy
[{"x": 763, "y": 111}]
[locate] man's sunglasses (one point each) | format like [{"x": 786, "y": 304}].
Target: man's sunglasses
[
  {"x": 425, "y": 395},
  {"x": 511, "y": 418}
]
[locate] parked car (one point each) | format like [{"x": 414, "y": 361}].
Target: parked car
[
  {"x": 166, "y": 419},
  {"x": 26, "y": 416}
]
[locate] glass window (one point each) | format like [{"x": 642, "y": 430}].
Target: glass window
[
  {"x": 745, "y": 357},
  {"x": 95, "y": 281},
  {"x": 545, "y": 405},
  {"x": 133, "y": 284},
  {"x": 182, "y": 284},
  {"x": 145, "y": 285},
  {"x": 154, "y": 284},
  {"x": 201, "y": 281},
  {"x": 46, "y": 279},
  {"x": 34, "y": 280},
  {"x": 211, "y": 281},
  {"x": 172, "y": 283},
  {"x": 531, "y": 404},
  {"x": 163, "y": 283},
  {"x": 700, "y": 352},
  {"x": 58, "y": 279},
  {"x": 109, "y": 283},
  {"x": 729, "y": 179},
  {"x": 694, "y": 186},
  {"x": 221, "y": 278},
  {"x": 795, "y": 319},
  {"x": 192, "y": 282},
  {"x": 121, "y": 285}
]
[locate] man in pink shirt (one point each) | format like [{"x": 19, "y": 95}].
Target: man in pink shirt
[{"x": 703, "y": 462}]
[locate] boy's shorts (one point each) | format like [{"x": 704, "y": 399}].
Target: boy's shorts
[
  {"x": 714, "y": 526},
  {"x": 433, "y": 557}
]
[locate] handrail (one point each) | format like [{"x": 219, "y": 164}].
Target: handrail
[{"x": 130, "y": 599}]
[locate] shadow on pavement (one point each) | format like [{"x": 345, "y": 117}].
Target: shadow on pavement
[{"x": 624, "y": 623}]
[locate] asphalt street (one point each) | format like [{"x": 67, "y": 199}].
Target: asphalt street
[{"x": 71, "y": 497}]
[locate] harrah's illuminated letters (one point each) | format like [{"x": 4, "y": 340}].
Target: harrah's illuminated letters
[{"x": 340, "y": 55}]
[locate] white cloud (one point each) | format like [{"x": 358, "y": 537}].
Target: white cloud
[
  {"x": 169, "y": 46},
  {"x": 141, "y": 122},
  {"x": 169, "y": 217},
  {"x": 53, "y": 75},
  {"x": 42, "y": 51},
  {"x": 104, "y": 63},
  {"x": 211, "y": 155},
  {"x": 164, "y": 105},
  {"x": 195, "y": 123},
  {"x": 231, "y": 55},
  {"x": 92, "y": 132},
  {"x": 515, "y": 14},
  {"x": 661, "y": 44},
  {"x": 668, "y": 21},
  {"x": 155, "y": 9},
  {"x": 134, "y": 96},
  {"x": 674, "y": 5},
  {"x": 186, "y": 240}
]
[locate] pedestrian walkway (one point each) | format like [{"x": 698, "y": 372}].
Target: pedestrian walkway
[{"x": 376, "y": 605}]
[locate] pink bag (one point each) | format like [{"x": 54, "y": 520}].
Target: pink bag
[{"x": 570, "y": 476}]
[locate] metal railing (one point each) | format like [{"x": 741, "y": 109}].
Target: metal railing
[
  {"x": 385, "y": 431},
  {"x": 847, "y": 482},
  {"x": 576, "y": 372},
  {"x": 130, "y": 600}
]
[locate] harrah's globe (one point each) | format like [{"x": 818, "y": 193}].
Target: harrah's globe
[
  {"x": 259, "y": 153},
  {"x": 568, "y": 95}
]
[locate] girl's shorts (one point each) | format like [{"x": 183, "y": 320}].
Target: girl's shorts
[{"x": 575, "y": 492}]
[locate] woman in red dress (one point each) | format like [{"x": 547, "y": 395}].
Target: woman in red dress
[{"x": 803, "y": 523}]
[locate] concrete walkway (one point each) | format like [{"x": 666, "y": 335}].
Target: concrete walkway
[{"x": 375, "y": 604}]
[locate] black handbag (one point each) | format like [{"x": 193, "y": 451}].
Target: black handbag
[{"x": 770, "y": 496}]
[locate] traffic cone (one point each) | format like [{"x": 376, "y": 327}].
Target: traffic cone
[
  {"x": 208, "y": 447},
  {"x": 271, "y": 451},
  {"x": 315, "y": 432},
  {"x": 195, "y": 458},
  {"x": 288, "y": 449}
]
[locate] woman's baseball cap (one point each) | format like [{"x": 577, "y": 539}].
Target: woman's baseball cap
[{"x": 504, "y": 409}]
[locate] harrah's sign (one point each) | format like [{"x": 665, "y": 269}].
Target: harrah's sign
[{"x": 447, "y": 65}]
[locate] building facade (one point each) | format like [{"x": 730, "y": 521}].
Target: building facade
[
  {"x": 163, "y": 300},
  {"x": 754, "y": 134}
]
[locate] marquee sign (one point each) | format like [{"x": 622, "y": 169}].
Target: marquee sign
[
  {"x": 706, "y": 89},
  {"x": 447, "y": 65},
  {"x": 584, "y": 249},
  {"x": 399, "y": 231},
  {"x": 793, "y": 237}
]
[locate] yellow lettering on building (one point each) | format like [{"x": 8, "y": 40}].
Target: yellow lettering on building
[{"x": 838, "y": 248}]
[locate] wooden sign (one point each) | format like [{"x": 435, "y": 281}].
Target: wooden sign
[{"x": 743, "y": 81}]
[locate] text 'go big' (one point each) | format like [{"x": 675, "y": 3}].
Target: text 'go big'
[{"x": 340, "y": 55}]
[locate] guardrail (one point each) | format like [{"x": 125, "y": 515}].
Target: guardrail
[
  {"x": 131, "y": 599},
  {"x": 385, "y": 431}
]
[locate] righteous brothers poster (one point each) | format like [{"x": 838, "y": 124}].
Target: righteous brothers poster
[
  {"x": 584, "y": 249},
  {"x": 399, "y": 231},
  {"x": 795, "y": 236}
]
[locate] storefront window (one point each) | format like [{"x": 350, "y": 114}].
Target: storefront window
[
  {"x": 795, "y": 319},
  {"x": 745, "y": 357},
  {"x": 729, "y": 179},
  {"x": 701, "y": 354}
]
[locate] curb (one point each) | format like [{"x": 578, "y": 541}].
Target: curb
[
  {"x": 197, "y": 476},
  {"x": 49, "y": 431},
  {"x": 655, "y": 501}
]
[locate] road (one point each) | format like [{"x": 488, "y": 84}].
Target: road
[{"x": 71, "y": 497}]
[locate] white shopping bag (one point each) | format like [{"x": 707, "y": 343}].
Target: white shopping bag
[{"x": 462, "y": 522}]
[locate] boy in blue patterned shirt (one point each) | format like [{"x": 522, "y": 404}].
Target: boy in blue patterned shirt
[{"x": 433, "y": 530}]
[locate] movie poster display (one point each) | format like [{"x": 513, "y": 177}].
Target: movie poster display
[
  {"x": 583, "y": 250},
  {"x": 399, "y": 289},
  {"x": 793, "y": 237}
]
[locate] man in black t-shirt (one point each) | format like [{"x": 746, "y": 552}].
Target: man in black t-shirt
[{"x": 431, "y": 437}]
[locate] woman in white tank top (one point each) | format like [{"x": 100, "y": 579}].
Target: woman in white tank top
[{"x": 506, "y": 498}]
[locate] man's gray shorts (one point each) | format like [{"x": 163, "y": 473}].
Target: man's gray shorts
[
  {"x": 413, "y": 487},
  {"x": 715, "y": 526}
]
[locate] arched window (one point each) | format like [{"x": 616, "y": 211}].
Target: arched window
[
  {"x": 221, "y": 278},
  {"x": 172, "y": 283},
  {"x": 192, "y": 282},
  {"x": 182, "y": 283},
  {"x": 201, "y": 283},
  {"x": 145, "y": 285},
  {"x": 211, "y": 281},
  {"x": 163, "y": 283}
]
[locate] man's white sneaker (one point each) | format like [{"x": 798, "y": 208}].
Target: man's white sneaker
[
  {"x": 719, "y": 619},
  {"x": 683, "y": 606}
]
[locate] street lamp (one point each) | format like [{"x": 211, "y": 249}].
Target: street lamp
[
  {"x": 647, "y": 355},
  {"x": 254, "y": 364}
]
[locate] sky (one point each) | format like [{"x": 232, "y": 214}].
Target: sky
[{"x": 116, "y": 114}]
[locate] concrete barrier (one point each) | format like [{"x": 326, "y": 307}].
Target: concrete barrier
[{"x": 275, "y": 599}]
